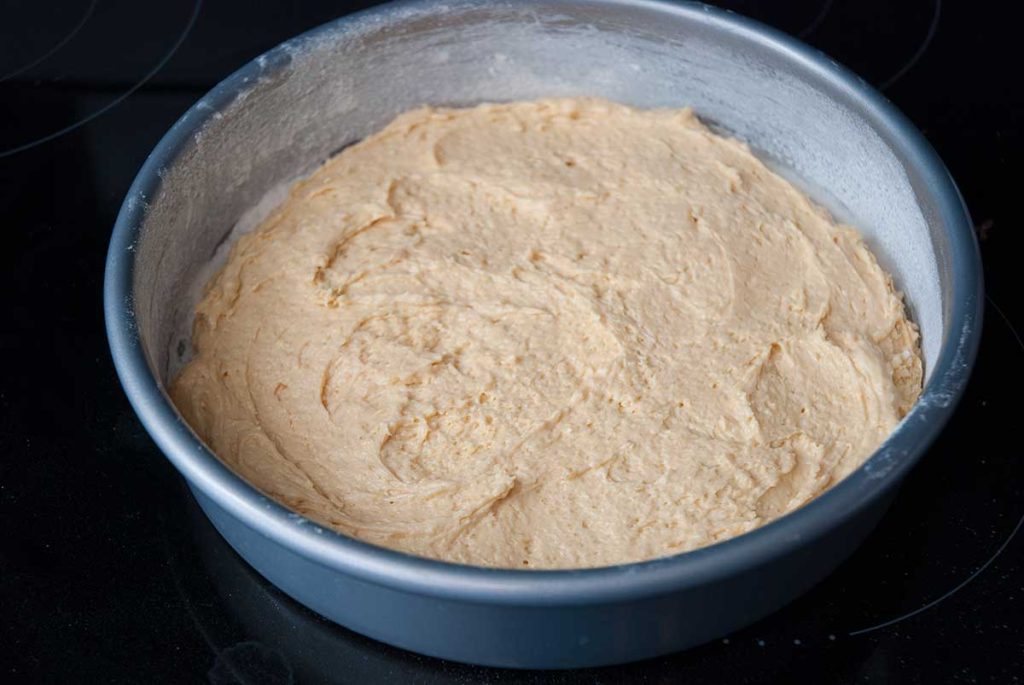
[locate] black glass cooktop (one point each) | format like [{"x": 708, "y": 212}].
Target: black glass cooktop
[{"x": 111, "y": 574}]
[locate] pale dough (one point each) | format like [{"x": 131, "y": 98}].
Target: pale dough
[{"x": 552, "y": 334}]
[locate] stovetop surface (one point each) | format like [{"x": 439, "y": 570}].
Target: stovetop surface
[{"x": 111, "y": 574}]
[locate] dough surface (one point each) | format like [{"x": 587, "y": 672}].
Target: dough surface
[{"x": 552, "y": 334}]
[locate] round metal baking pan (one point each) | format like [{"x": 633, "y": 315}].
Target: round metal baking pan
[{"x": 289, "y": 109}]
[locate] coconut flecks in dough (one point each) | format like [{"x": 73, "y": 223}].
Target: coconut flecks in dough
[{"x": 563, "y": 333}]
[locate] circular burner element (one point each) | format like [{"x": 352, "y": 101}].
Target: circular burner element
[
  {"x": 30, "y": 48},
  {"x": 76, "y": 66}
]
